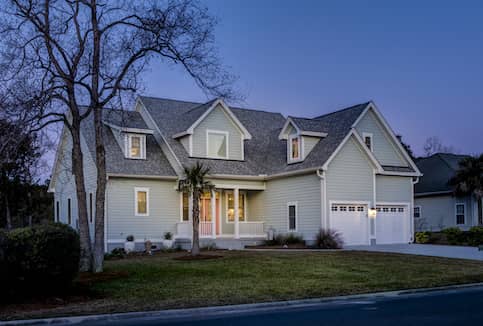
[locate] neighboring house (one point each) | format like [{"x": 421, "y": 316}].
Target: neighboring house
[
  {"x": 271, "y": 173},
  {"x": 435, "y": 205}
]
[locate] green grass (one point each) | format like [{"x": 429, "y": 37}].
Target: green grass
[{"x": 159, "y": 282}]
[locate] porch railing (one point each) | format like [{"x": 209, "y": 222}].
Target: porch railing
[
  {"x": 251, "y": 229},
  {"x": 246, "y": 229}
]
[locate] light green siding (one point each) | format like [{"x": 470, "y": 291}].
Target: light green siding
[
  {"x": 305, "y": 190},
  {"x": 164, "y": 209},
  {"x": 309, "y": 144},
  {"x": 242, "y": 184},
  {"x": 384, "y": 149},
  {"x": 185, "y": 141},
  {"x": 393, "y": 189},
  {"x": 219, "y": 121}
]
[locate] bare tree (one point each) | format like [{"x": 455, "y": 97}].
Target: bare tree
[
  {"x": 91, "y": 53},
  {"x": 434, "y": 145}
]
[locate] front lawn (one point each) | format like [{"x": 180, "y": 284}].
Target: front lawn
[{"x": 160, "y": 282}]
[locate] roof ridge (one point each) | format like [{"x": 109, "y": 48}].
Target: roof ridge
[
  {"x": 341, "y": 110},
  {"x": 198, "y": 106},
  {"x": 170, "y": 99}
]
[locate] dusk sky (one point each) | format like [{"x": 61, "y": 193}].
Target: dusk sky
[{"x": 421, "y": 62}]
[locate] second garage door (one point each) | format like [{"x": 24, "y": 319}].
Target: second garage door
[
  {"x": 392, "y": 224},
  {"x": 351, "y": 222}
]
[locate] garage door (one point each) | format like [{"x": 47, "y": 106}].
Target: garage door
[
  {"x": 392, "y": 224},
  {"x": 351, "y": 222}
]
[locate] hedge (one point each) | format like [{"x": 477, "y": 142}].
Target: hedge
[{"x": 40, "y": 258}]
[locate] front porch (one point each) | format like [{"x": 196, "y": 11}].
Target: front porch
[{"x": 225, "y": 213}]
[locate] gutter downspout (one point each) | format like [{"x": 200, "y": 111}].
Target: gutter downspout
[
  {"x": 411, "y": 209},
  {"x": 323, "y": 199}
]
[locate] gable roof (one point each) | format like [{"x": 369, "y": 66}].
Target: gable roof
[
  {"x": 265, "y": 154},
  {"x": 437, "y": 170}
]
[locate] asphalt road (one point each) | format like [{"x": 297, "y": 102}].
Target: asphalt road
[{"x": 453, "y": 307}]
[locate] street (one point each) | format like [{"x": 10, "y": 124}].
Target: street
[{"x": 430, "y": 308}]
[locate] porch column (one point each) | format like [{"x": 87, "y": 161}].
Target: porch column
[
  {"x": 237, "y": 213},
  {"x": 213, "y": 213}
]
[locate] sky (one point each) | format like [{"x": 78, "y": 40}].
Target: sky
[{"x": 421, "y": 62}]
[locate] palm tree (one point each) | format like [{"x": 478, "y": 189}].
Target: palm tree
[
  {"x": 195, "y": 183},
  {"x": 469, "y": 180}
]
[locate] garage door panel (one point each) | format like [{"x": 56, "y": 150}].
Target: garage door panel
[
  {"x": 351, "y": 222},
  {"x": 392, "y": 223}
]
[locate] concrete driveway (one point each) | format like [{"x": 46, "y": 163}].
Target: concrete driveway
[{"x": 425, "y": 250}]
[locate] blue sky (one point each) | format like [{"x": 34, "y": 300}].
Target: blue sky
[{"x": 421, "y": 62}]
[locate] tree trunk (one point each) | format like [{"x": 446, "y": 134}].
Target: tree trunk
[
  {"x": 195, "y": 247},
  {"x": 100, "y": 192},
  {"x": 78, "y": 172},
  {"x": 7, "y": 213}
]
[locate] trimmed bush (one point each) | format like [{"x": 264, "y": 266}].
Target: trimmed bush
[
  {"x": 41, "y": 258},
  {"x": 329, "y": 239},
  {"x": 423, "y": 237},
  {"x": 454, "y": 236},
  {"x": 285, "y": 239},
  {"x": 475, "y": 236}
]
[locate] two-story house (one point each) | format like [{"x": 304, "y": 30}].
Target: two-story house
[{"x": 343, "y": 170}]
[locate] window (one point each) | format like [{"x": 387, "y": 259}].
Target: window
[
  {"x": 69, "y": 212},
  {"x": 417, "y": 211},
  {"x": 460, "y": 213},
  {"x": 217, "y": 144},
  {"x": 136, "y": 146},
  {"x": 142, "y": 201},
  {"x": 294, "y": 148},
  {"x": 57, "y": 211},
  {"x": 90, "y": 206},
  {"x": 367, "y": 140},
  {"x": 230, "y": 211},
  {"x": 186, "y": 206},
  {"x": 292, "y": 216}
]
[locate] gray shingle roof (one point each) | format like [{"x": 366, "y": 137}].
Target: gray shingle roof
[
  {"x": 155, "y": 163},
  {"x": 264, "y": 153},
  {"x": 437, "y": 170}
]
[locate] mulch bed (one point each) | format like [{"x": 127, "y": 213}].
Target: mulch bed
[
  {"x": 290, "y": 246},
  {"x": 199, "y": 257}
]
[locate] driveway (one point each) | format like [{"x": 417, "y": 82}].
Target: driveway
[{"x": 425, "y": 250}]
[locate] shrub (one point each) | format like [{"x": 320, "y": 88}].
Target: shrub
[
  {"x": 282, "y": 240},
  {"x": 423, "y": 237},
  {"x": 454, "y": 235},
  {"x": 41, "y": 258},
  {"x": 329, "y": 239},
  {"x": 168, "y": 236},
  {"x": 475, "y": 236},
  {"x": 116, "y": 253},
  {"x": 130, "y": 238}
]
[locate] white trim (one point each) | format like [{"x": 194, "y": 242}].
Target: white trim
[
  {"x": 292, "y": 203},
  {"x": 241, "y": 192},
  {"x": 181, "y": 207},
  {"x": 130, "y": 130},
  {"x": 128, "y": 145},
  {"x": 226, "y": 109},
  {"x": 135, "y": 176},
  {"x": 371, "y": 137},
  {"x": 136, "y": 190},
  {"x": 218, "y": 132},
  {"x": 190, "y": 139},
  {"x": 456, "y": 213},
  {"x": 391, "y": 133},
  {"x": 313, "y": 134},
  {"x": 290, "y": 159},
  {"x": 282, "y": 136}
]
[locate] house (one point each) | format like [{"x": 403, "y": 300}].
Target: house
[
  {"x": 343, "y": 170},
  {"x": 435, "y": 205}
]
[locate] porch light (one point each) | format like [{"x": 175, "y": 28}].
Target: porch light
[{"x": 372, "y": 212}]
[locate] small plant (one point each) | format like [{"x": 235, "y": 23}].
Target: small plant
[
  {"x": 168, "y": 236},
  {"x": 423, "y": 237},
  {"x": 454, "y": 235},
  {"x": 475, "y": 236},
  {"x": 116, "y": 253},
  {"x": 130, "y": 238},
  {"x": 329, "y": 239}
]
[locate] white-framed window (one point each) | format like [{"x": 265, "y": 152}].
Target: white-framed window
[
  {"x": 292, "y": 213},
  {"x": 417, "y": 212},
  {"x": 368, "y": 140},
  {"x": 141, "y": 201},
  {"x": 135, "y": 146},
  {"x": 217, "y": 144},
  {"x": 294, "y": 148},
  {"x": 185, "y": 206},
  {"x": 90, "y": 207},
  {"x": 57, "y": 211},
  {"x": 460, "y": 210},
  {"x": 69, "y": 211},
  {"x": 230, "y": 206}
]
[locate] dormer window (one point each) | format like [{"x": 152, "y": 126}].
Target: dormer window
[
  {"x": 136, "y": 146},
  {"x": 294, "y": 148},
  {"x": 217, "y": 144}
]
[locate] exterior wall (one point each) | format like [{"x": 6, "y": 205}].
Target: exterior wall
[
  {"x": 271, "y": 204},
  {"x": 393, "y": 189},
  {"x": 350, "y": 176},
  {"x": 439, "y": 212},
  {"x": 185, "y": 141},
  {"x": 384, "y": 149},
  {"x": 65, "y": 183},
  {"x": 309, "y": 143},
  {"x": 164, "y": 210},
  {"x": 242, "y": 184},
  {"x": 218, "y": 120}
]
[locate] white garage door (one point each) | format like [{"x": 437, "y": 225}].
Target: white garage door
[
  {"x": 392, "y": 224},
  {"x": 351, "y": 222}
]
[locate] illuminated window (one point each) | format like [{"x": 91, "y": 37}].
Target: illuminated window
[
  {"x": 136, "y": 146},
  {"x": 294, "y": 147},
  {"x": 230, "y": 211},
  {"x": 142, "y": 201},
  {"x": 186, "y": 206}
]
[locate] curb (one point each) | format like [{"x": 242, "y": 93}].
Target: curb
[{"x": 188, "y": 313}]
